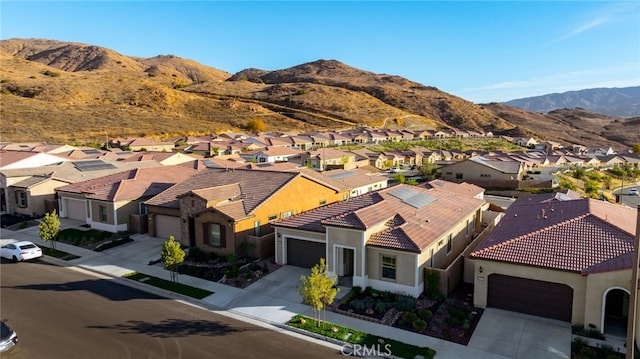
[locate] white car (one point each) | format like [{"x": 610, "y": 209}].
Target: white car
[
  {"x": 8, "y": 339},
  {"x": 633, "y": 192},
  {"x": 395, "y": 170},
  {"x": 20, "y": 251}
]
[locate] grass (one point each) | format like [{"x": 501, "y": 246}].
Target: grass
[
  {"x": 183, "y": 289},
  {"x": 348, "y": 335},
  {"x": 78, "y": 237},
  {"x": 58, "y": 254}
]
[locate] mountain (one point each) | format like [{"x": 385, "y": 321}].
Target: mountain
[
  {"x": 621, "y": 102},
  {"x": 77, "y": 93}
]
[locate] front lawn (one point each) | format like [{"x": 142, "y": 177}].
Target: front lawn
[
  {"x": 183, "y": 289},
  {"x": 348, "y": 335},
  {"x": 92, "y": 238},
  {"x": 58, "y": 254}
]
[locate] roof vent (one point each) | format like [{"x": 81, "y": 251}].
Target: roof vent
[{"x": 542, "y": 214}]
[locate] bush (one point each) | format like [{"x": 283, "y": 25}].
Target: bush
[
  {"x": 196, "y": 254},
  {"x": 409, "y": 317},
  {"x": 419, "y": 325},
  {"x": 425, "y": 313},
  {"x": 380, "y": 307},
  {"x": 265, "y": 268},
  {"x": 406, "y": 303},
  {"x": 357, "y": 290}
]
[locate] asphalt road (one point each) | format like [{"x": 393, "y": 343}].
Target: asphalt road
[{"x": 62, "y": 313}]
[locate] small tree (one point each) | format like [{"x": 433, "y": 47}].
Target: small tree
[
  {"x": 172, "y": 255},
  {"x": 256, "y": 125},
  {"x": 428, "y": 171},
  {"x": 49, "y": 228},
  {"x": 399, "y": 178},
  {"x": 318, "y": 289}
]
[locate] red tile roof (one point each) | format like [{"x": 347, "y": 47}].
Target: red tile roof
[
  {"x": 407, "y": 227},
  {"x": 576, "y": 235}
]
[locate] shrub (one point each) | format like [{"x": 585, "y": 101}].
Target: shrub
[
  {"x": 51, "y": 73},
  {"x": 419, "y": 325},
  {"x": 406, "y": 303},
  {"x": 380, "y": 307},
  {"x": 196, "y": 254},
  {"x": 425, "y": 313},
  {"x": 265, "y": 268},
  {"x": 210, "y": 274},
  {"x": 357, "y": 289},
  {"x": 409, "y": 317},
  {"x": 254, "y": 266},
  {"x": 387, "y": 296},
  {"x": 369, "y": 302}
]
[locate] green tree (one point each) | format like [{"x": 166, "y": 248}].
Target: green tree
[
  {"x": 399, "y": 178},
  {"x": 172, "y": 255},
  {"x": 49, "y": 228},
  {"x": 412, "y": 182},
  {"x": 428, "y": 171},
  {"x": 318, "y": 289}
]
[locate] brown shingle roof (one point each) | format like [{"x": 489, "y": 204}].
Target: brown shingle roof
[{"x": 574, "y": 235}]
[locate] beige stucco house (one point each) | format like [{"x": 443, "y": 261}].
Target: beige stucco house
[
  {"x": 385, "y": 239},
  {"x": 568, "y": 260}
]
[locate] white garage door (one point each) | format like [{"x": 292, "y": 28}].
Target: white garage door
[
  {"x": 76, "y": 209},
  {"x": 167, "y": 226}
]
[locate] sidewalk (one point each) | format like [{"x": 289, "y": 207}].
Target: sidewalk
[{"x": 248, "y": 304}]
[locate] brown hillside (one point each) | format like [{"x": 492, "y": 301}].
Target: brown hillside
[{"x": 65, "y": 92}]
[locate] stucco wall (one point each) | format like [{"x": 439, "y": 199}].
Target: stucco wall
[{"x": 574, "y": 280}]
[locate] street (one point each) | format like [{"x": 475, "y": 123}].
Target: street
[{"x": 59, "y": 312}]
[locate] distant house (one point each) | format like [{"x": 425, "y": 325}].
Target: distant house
[
  {"x": 568, "y": 260},
  {"x": 270, "y": 154},
  {"x": 142, "y": 144},
  {"x": 28, "y": 159},
  {"x": 485, "y": 172},
  {"x": 359, "y": 181},
  {"x": 384, "y": 239},
  {"x": 327, "y": 158}
]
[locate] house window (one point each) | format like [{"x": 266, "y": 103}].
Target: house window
[
  {"x": 485, "y": 175},
  {"x": 273, "y": 217},
  {"x": 458, "y": 175},
  {"x": 449, "y": 173},
  {"x": 449, "y": 243},
  {"x": 21, "y": 199},
  {"x": 102, "y": 213},
  {"x": 143, "y": 208},
  {"x": 388, "y": 267},
  {"x": 287, "y": 214},
  {"x": 215, "y": 235}
]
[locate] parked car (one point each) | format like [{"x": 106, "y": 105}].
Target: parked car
[
  {"x": 633, "y": 192},
  {"x": 20, "y": 251},
  {"x": 395, "y": 170},
  {"x": 8, "y": 337}
]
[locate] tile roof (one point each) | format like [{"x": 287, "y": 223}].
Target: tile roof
[
  {"x": 132, "y": 184},
  {"x": 573, "y": 235},
  {"x": 407, "y": 227},
  {"x": 256, "y": 186}
]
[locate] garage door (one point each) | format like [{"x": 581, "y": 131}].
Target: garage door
[
  {"x": 303, "y": 253},
  {"x": 76, "y": 209},
  {"x": 167, "y": 226},
  {"x": 544, "y": 299}
]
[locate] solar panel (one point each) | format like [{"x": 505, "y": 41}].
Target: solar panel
[
  {"x": 419, "y": 200},
  {"x": 94, "y": 165},
  {"x": 402, "y": 193},
  {"x": 337, "y": 176},
  {"x": 412, "y": 197},
  {"x": 91, "y": 152}
]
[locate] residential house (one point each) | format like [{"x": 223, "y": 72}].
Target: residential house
[
  {"x": 142, "y": 144},
  {"x": 485, "y": 172},
  {"x": 219, "y": 210},
  {"x": 270, "y": 154},
  {"x": 567, "y": 260},
  {"x": 528, "y": 142},
  {"x": 163, "y": 158},
  {"x": 31, "y": 191},
  {"x": 28, "y": 159},
  {"x": 115, "y": 202},
  {"x": 328, "y": 158},
  {"x": 359, "y": 181},
  {"x": 384, "y": 239}
]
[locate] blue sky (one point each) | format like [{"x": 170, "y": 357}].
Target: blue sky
[{"x": 481, "y": 51}]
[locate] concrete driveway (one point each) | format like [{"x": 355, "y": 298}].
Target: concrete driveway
[{"x": 521, "y": 336}]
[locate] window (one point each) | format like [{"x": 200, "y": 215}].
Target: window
[
  {"x": 485, "y": 175},
  {"x": 458, "y": 175},
  {"x": 21, "y": 199},
  {"x": 143, "y": 208},
  {"x": 449, "y": 244},
  {"x": 215, "y": 235},
  {"x": 287, "y": 214},
  {"x": 102, "y": 213},
  {"x": 273, "y": 217},
  {"x": 388, "y": 267}
]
